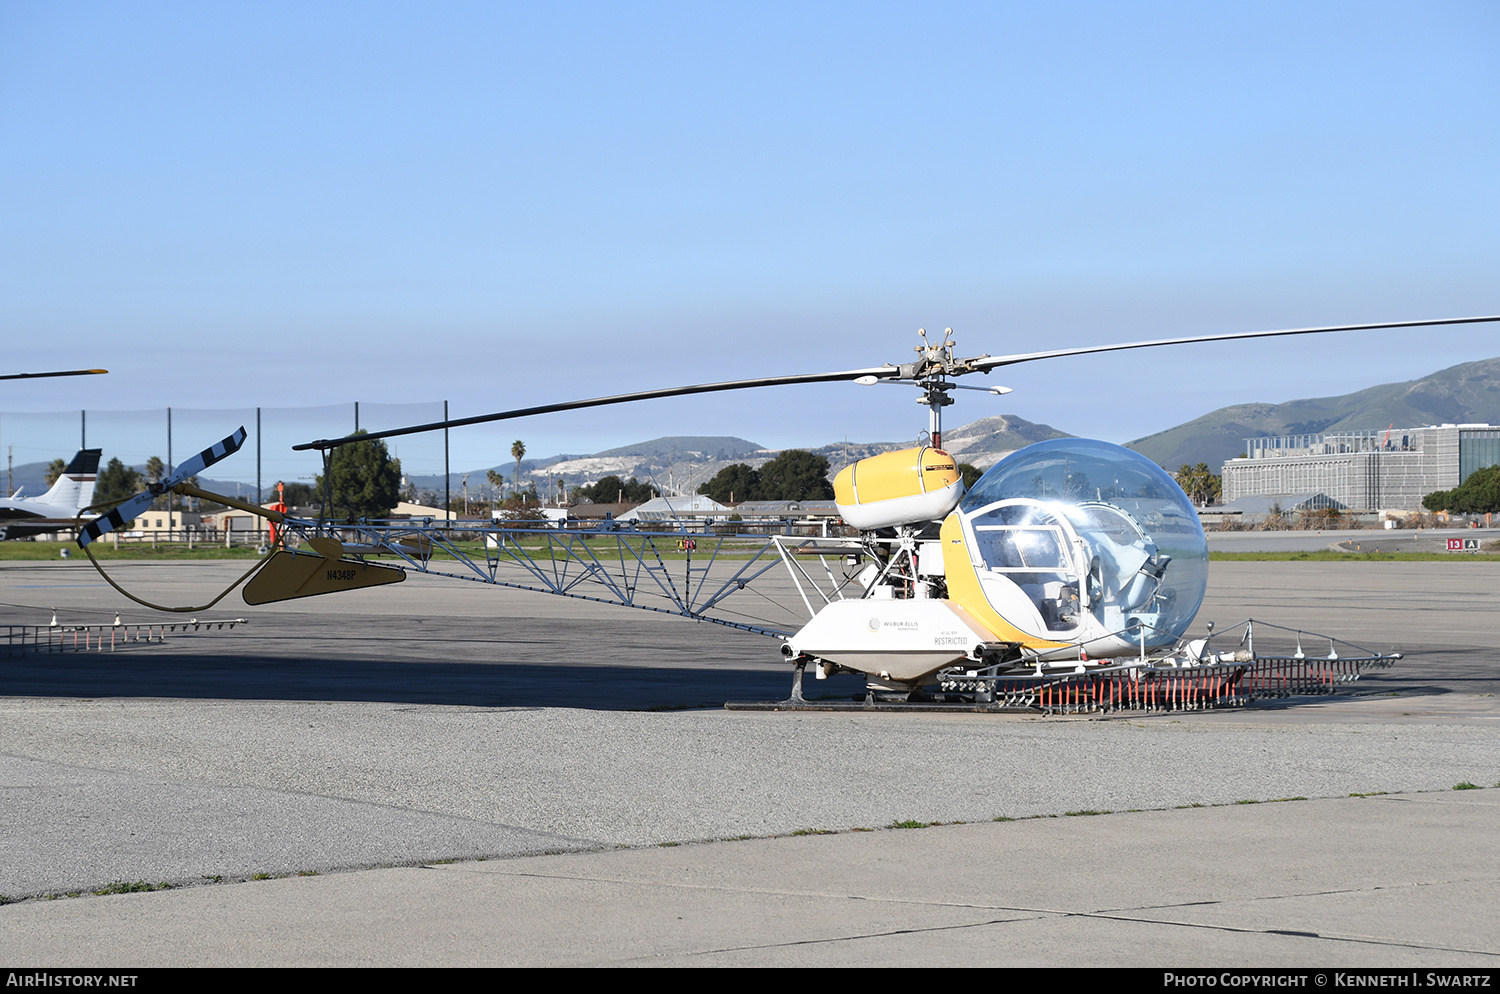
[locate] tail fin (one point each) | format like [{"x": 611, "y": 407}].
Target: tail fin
[{"x": 75, "y": 488}]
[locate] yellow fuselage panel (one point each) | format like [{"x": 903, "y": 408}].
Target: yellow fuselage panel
[
  {"x": 900, "y": 487},
  {"x": 964, "y": 589}
]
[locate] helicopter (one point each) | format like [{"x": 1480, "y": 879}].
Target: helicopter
[{"x": 1065, "y": 579}]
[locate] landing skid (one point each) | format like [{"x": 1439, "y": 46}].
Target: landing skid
[
  {"x": 867, "y": 706},
  {"x": 1189, "y": 678},
  {"x": 880, "y": 700}
]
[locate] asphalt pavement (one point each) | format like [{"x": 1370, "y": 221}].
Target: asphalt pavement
[{"x": 556, "y": 752}]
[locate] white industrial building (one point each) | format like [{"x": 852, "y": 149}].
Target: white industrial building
[
  {"x": 676, "y": 508},
  {"x": 1363, "y": 470}
]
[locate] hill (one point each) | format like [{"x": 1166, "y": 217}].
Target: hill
[
  {"x": 1466, "y": 393},
  {"x": 32, "y": 476},
  {"x": 703, "y": 446},
  {"x": 682, "y": 462},
  {"x": 985, "y": 442}
]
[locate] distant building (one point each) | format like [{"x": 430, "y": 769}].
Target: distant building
[
  {"x": 409, "y": 509},
  {"x": 239, "y": 522},
  {"x": 779, "y": 509},
  {"x": 675, "y": 509},
  {"x": 1361, "y": 470},
  {"x": 592, "y": 513},
  {"x": 152, "y": 521}
]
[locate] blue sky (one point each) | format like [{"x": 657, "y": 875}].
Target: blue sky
[{"x": 296, "y": 205}]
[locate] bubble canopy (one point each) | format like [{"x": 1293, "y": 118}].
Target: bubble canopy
[{"x": 1128, "y": 544}]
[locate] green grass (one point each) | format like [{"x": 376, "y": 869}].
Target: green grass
[
  {"x": 106, "y": 552},
  {"x": 122, "y": 887},
  {"x": 605, "y": 548},
  {"x": 909, "y": 823},
  {"x": 1465, "y": 785},
  {"x": 1329, "y": 556}
]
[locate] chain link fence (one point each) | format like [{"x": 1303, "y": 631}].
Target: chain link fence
[{"x": 31, "y": 440}]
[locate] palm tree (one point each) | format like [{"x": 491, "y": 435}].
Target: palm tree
[{"x": 518, "y": 449}]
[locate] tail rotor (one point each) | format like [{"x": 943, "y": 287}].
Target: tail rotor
[{"x": 129, "y": 510}]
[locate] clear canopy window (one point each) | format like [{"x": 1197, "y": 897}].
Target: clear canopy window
[{"x": 1109, "y": 528}]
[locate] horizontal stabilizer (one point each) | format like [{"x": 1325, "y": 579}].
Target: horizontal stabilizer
[{"x": 287, "y": 575}]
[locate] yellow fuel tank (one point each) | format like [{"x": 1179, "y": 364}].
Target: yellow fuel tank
[{"x": 898, "y": 488}]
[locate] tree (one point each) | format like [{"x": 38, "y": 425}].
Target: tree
[
  {"x": 365, "y": 480},
  {"x": 796, "y": 474},
  {"x": 156, "y": 471},
  {"x": 733, "y": 484},
  {"x": 518, "y": 449},
  {"x": 1077, "y": 486},
  {"x": 524, "y": 508},
  {"x": 1479, "y": 494},
  {"x": 612, "y": 489},
  {"x": 117, "y": 482},
  {"x": 301, "y": 495},
  {"x": 1201, "y": 485},
  {"x": 55, "y": 471},
  {"x": 971, "y": 474}
]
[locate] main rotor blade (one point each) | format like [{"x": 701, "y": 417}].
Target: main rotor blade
[
  {"x": 882, "y": 372},
  {"x": 65, "y": 372},
  {"x": 993, "y": 362},
  {"x": 886, "y": 372}
]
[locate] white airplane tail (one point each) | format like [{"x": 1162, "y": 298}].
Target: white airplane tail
[{"x": 74, "y": 489}]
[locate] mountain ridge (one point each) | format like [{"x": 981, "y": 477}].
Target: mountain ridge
[
  {"x": 683, "y": 462},
  {"x": 1466, "y": 393}
]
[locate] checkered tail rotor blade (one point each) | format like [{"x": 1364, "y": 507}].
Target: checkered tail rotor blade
[
  {"x": 115, "y": 518},
  {"x": 132, "y": 508},
  {"x": 198, "y": 463}
]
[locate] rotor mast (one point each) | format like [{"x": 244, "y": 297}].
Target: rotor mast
[{"x": 935, "y": 362}]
